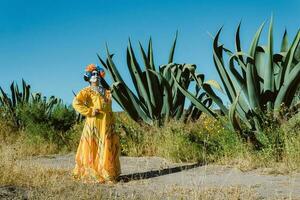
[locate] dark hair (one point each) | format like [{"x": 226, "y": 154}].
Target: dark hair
[
  {"x": 104, "y": 83},
  {"x": 86, "y": 78}
]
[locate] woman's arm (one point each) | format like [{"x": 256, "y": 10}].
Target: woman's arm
[{"x": 79, "y": 104}]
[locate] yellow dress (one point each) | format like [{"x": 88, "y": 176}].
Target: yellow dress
[{"x": 97, "y": 157}]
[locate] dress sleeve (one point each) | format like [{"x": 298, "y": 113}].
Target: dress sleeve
[
  {"x": 79, "y": 104},
  {"x": 109, "y": 97}
]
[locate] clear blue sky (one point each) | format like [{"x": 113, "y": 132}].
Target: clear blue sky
[{"x": 48, "y": 42}]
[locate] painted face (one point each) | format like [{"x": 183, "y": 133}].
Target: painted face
[
  {"x": 93, "y": 73},
  {"x": 95, "y": 77}
]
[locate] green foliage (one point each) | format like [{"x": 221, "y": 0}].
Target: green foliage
[
  {"x": 281, "y": 145},
  {"x": 62, "y": 117},
  {"x": 17, "y": 98},
  {"x": 53, "y": 127},
  {"x": 265, "y": 80},
  {"x": 43, "y": 118},
  {"x": 158, "y": 97},
  {"x": 177, "y": 141}
]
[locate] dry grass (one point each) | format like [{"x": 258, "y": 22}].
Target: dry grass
[
  {"x": 36, "y": 182},
  {"x": 171, "y": 142},
  {"x": 218, "y": 193}
]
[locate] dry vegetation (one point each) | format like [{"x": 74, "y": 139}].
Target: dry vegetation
[{"x": 192, "y": 142}]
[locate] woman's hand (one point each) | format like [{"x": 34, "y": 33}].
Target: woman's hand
[
  {"x": 108, "y": 95},
  {"x": 96, "y": 112}
]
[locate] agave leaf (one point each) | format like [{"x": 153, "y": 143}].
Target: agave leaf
[
  {"x": 232, "y": 114},
  {"x": 239, "y": 49},
  {"x": 1, "y": 101},
  {"x": 194, "y": 99},
  {"x": 171, "y": 56},
  {"x": 269, "y": 70},
  {"x": 225, "y": 78},
  {"x": 113, "y": 70},
  {"x": 253, "y": 92},
  {"x": 227, "y": 51},
  {"x": 18, "y": 95},
  {"x": 6, "y": 100},
  {"x": 207, "y": 88},
  {"x": 239, "y": 78},
  {"x": 252, "y": 78},
  {"x": 136, "y": 75},
  {"x": 156, "y": 99},
  {"x": 144, "y": 56},
  {"x": 183, "y": 78},
  {"x": 26, "y": 92},
  {"x": 124, "y": 101},
  {"x": 133, "y": 101},
  {"x": 287, "y": 65},
  {"x": 260, "y": 64},
  {"x": 255, "y": 41},
  {"x": 150, "y": 55},
  {"x": 288, "y": 89},
  {"x": 285, "y": 42},
  {"x": 152, "y": 85},
  {"x": 209, "y": 91},
  {"x": 167, "y": 99},
  {"x": 13, "y": 94},
  {"x": 166, "y": 93},
  {"x": 166, "y": 71},
  {"x": 102, "y": 62},
  {"x": 297, "y": 53}
]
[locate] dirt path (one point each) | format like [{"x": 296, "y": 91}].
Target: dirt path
[{"x": 146, "y": 176}]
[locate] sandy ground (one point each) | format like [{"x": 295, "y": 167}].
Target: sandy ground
[{"x": 146, "y": 176}]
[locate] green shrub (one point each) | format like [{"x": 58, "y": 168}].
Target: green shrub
[
  {"x": 178, "y": 144},
  {"x": 31, "y": 114},
  {"x": 53, "y": 127},
  {"x": 62, "y": 117},
  {"x": 291, "y": 133},
  {"x": 177, "y": 141}
]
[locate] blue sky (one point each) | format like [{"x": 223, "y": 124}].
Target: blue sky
[{"x": 49, "y": 42}]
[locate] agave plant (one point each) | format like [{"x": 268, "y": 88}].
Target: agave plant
[
  {"x": 260, "y": 81},
  {"x": 17, "y": 97},
  {"x": 157, "y": 96}
]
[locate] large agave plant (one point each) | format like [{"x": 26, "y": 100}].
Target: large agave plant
[
  {"x": 157, "y": 96},
  {"x": 260, "y": 81}
]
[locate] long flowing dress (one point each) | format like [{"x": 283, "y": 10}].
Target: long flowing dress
[{"x": 97, "y": 157}]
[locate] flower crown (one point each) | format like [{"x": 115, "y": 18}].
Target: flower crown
[{"x": 92, "y": 67}]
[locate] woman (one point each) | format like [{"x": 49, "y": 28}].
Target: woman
[{"x": 97, "y": 157}]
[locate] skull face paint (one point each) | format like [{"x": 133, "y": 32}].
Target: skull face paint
[
  {"x": 95, "y": 77},
  {"x": 93, "y": 73}
]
